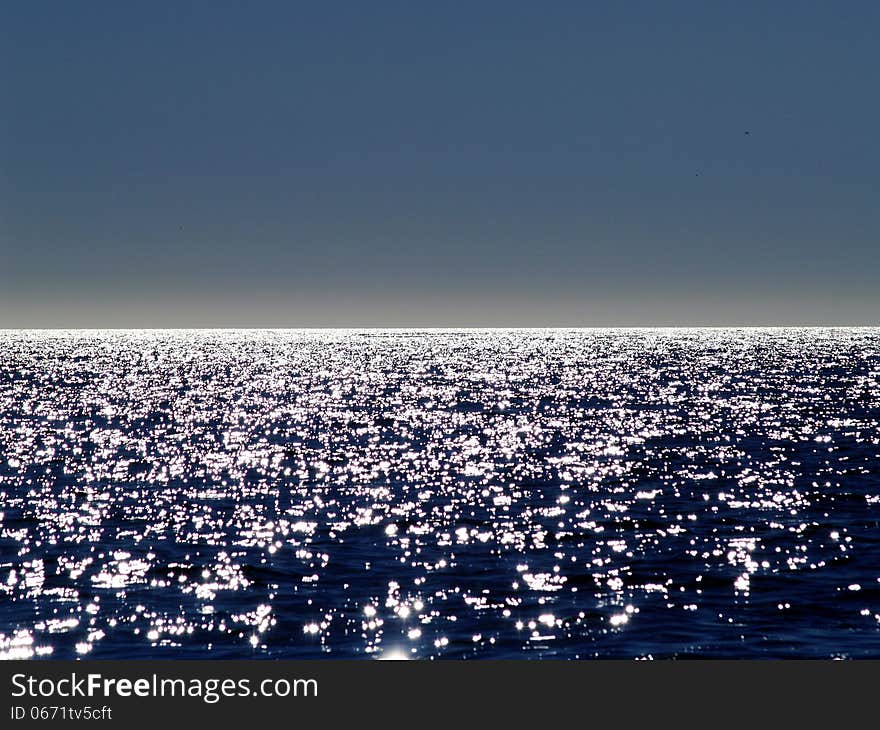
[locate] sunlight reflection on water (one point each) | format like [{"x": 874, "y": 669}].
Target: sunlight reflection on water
[{"x": 410, "y": 494}]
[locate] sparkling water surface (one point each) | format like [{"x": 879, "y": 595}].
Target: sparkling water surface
[{"x": 440, "y": 494}]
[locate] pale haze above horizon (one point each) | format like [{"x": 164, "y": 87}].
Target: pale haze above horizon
[{"x": 393, "y": 164}]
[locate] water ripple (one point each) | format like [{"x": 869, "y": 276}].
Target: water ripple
[{"x": 529, "y": 493}]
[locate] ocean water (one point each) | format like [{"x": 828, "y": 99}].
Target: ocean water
[{"x": 440, "y": 494}]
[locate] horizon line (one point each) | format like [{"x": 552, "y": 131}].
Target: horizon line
[{"x": 438, "y": 328}]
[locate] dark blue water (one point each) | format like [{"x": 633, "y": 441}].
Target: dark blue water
[{"x": 540, "y": 493}]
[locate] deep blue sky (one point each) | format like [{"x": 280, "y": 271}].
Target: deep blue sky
[{"x": 425, "y": 163}]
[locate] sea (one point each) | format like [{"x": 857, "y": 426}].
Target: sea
[{"x": 440, "y": 494}]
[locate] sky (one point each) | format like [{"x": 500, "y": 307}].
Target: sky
[{"x": 292, "y": 164}]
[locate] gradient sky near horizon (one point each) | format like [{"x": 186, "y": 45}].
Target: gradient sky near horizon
[{"x": 439, "y": 164}]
